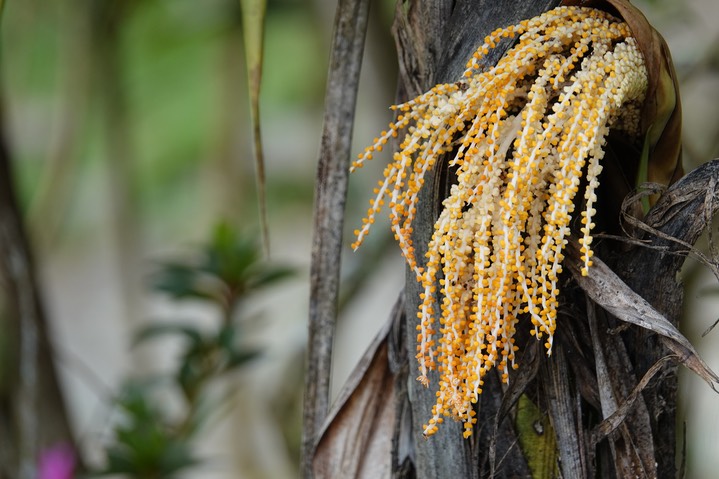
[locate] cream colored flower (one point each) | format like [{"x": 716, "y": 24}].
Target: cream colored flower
[{"x": 523, "y": 134}]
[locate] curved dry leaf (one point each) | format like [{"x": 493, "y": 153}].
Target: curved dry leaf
[
  {"x": 701, "y": 193},
  {"x": 356, "y": 440},
  {"x": 606, "y": 289},
  {"x": 662, "y": 115},
  {"x": 613, "y": 421}
]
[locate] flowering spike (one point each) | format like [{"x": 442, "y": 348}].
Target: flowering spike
[{"x": 523, "y": 133}]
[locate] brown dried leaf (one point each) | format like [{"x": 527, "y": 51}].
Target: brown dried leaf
[
  {"x": 356, "y": 440},
  {"x": 632, "y": 447},
  {"x": 564, "y": 410},
  {"x": 617, "y": 418},
  {"x": 611, "y": 293},
  {"x": 661, "y": 115}
]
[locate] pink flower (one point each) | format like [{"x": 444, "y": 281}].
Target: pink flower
[{"x": 57, "y": 462}]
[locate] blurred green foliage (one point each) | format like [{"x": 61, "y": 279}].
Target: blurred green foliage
[
  {"x": 223, "y": 273},
  {"x": 178, "y": 87},
  {"x": 182, "y": 68},
  {"x": 227, "y": 269},
  {"x": 146, "y": 443}
]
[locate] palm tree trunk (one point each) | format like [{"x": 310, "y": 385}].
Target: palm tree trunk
[
  {"x": 594, "y": 408},
  {"x": 434, "y": 41},
  {"x": 588, "y": 365}
]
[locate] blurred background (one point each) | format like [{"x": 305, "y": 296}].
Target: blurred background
[{"x": 128, "y": 122}]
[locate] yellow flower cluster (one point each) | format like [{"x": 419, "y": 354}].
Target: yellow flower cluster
[{"x": 523, "y": 134}]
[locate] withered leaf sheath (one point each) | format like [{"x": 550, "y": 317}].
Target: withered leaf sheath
[{"x": 661, "y": 115}]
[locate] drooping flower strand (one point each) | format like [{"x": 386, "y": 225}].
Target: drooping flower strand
[{"x": 523, "y": 133}]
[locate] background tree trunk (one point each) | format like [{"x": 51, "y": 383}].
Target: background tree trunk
[
  {"x": 32, "y": 411},
  {"x": 332, "y": 179}
]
